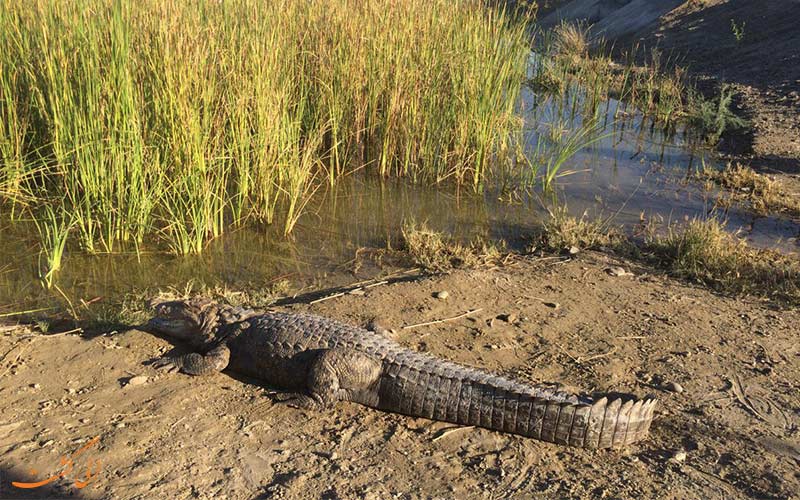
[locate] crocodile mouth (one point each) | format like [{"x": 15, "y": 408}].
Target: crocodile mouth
[{"x": 174, "y": 327}]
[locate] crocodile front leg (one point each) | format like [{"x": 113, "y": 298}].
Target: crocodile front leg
[
  {"x": 195, "y": 363},
  {"x": 340, "y": 374}
]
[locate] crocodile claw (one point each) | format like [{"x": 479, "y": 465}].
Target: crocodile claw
[
  {"x": 168, "y": 364},
  {"x": 299, "y": 401}
]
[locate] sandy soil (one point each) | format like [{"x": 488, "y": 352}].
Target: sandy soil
[{"x": 175, "y": 436}]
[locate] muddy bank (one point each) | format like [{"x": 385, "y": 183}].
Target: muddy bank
[
  {"x": 751, "y": 45},
  {"x": 174, "y": 436}
]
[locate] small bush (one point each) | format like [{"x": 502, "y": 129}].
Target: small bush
[{"x": 712, "y": 118}]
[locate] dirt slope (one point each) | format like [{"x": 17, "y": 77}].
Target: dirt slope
[
  {"x": 764, "y": 64},
  {"x": 221, "y": 437}
]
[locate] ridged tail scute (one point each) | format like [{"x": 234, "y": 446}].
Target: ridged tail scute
[
  {"x": 452, "y": 393},
  {"x": 602, "y": 424}
]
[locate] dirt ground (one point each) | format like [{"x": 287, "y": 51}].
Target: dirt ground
[{"x": 175, "y": 436}]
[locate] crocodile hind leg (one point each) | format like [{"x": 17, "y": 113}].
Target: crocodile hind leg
[
  {"x": 340, "y": 374},
  {"x": 195, "y": 363},
  {"x": 378, "y": 325}
]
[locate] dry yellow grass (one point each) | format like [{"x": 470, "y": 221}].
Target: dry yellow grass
[
  {"x": 562, "y": 231},
  {"x": 703, "y": 251},
  {"x": 435, "y": 251},
  {"x": 762, "y": 193}
]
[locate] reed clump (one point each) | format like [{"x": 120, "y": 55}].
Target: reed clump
[
  {"x": 654, "y": 85},
  {"x": 168, "y": 121}
]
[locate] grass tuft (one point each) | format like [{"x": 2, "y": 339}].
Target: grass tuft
[
  {"x": 437, "y": 252},
  {"x": 763, "y": 194},
  {"x": 562, "y": 231},
  {"x": 703, "y": 251},
  {"x": 571, "y": 41},
  {"x": 699, "y": 250}
]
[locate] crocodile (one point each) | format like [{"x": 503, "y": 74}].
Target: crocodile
[{"x": 319, "y": 361}]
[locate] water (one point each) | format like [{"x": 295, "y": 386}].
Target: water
[{"x": 631, "y": 172}]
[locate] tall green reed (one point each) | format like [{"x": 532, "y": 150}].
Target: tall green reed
[
  {"x": 166, "y": 121},
  {"x": 53, "y": 226}
]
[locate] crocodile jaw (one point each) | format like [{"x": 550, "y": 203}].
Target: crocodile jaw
[{"x": 178, "y": 328}]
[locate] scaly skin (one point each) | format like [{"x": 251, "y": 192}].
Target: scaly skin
[{"x": 322, "y": 361}]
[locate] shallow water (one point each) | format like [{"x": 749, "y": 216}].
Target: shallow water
[{"x": 631, "y": 172}]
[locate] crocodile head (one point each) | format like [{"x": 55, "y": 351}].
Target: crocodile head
[{"x": 194, "y": 320}]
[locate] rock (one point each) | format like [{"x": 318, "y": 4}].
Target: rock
[
  {"x": 120, "y": 425},
  {"x": 442, "y": 295},
  {"x": 679, "y": 456},
  {"x": 35, "y": 386},
  {"x": 573, "y": 250},
  {"x": 137, "y": 380},
  {"x": 554, "y": 305},
  {"x": 674, "y": 387},
  {"x": 617, "y": 271},
  {"x": 508, "y": 318}
]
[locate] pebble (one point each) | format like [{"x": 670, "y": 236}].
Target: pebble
[
  {"x": 573, "y": 250},
  {"x": 137, "y": 380},
  {"x": 35, "y": 386},
  {"x": 617, "y": 271},
  {"x": 442, "y": 295},
  {"x": 674, "y": 387},
  {"x": 508, "y": 318},
  {"x": 554, "y": 305},
  {"x": 679, "y": 456}
]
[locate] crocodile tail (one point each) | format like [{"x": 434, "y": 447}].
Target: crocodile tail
[
  {"x": 602, "y": 424},
  {"x": 453, "y": 393}
]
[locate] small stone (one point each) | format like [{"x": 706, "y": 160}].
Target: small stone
[
  {"x": 554, "y": 305},
  {"x": 35, "y": 386},
  {"x": 442, "y": 295},
  {"x": 617, "y": 271},
  {"x": 47, "y": 443},
  {"x": 674, "y": 387},
  {"x": 508, "y": 318},
  {"x": 573, "y": 250},
  {"x": 120, "y": 425},
  {"x": 679, "y": 456},
  {"x": 137, "y": 380}
]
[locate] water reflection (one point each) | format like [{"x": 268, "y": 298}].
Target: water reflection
[{"x": 631, "y": 169}]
